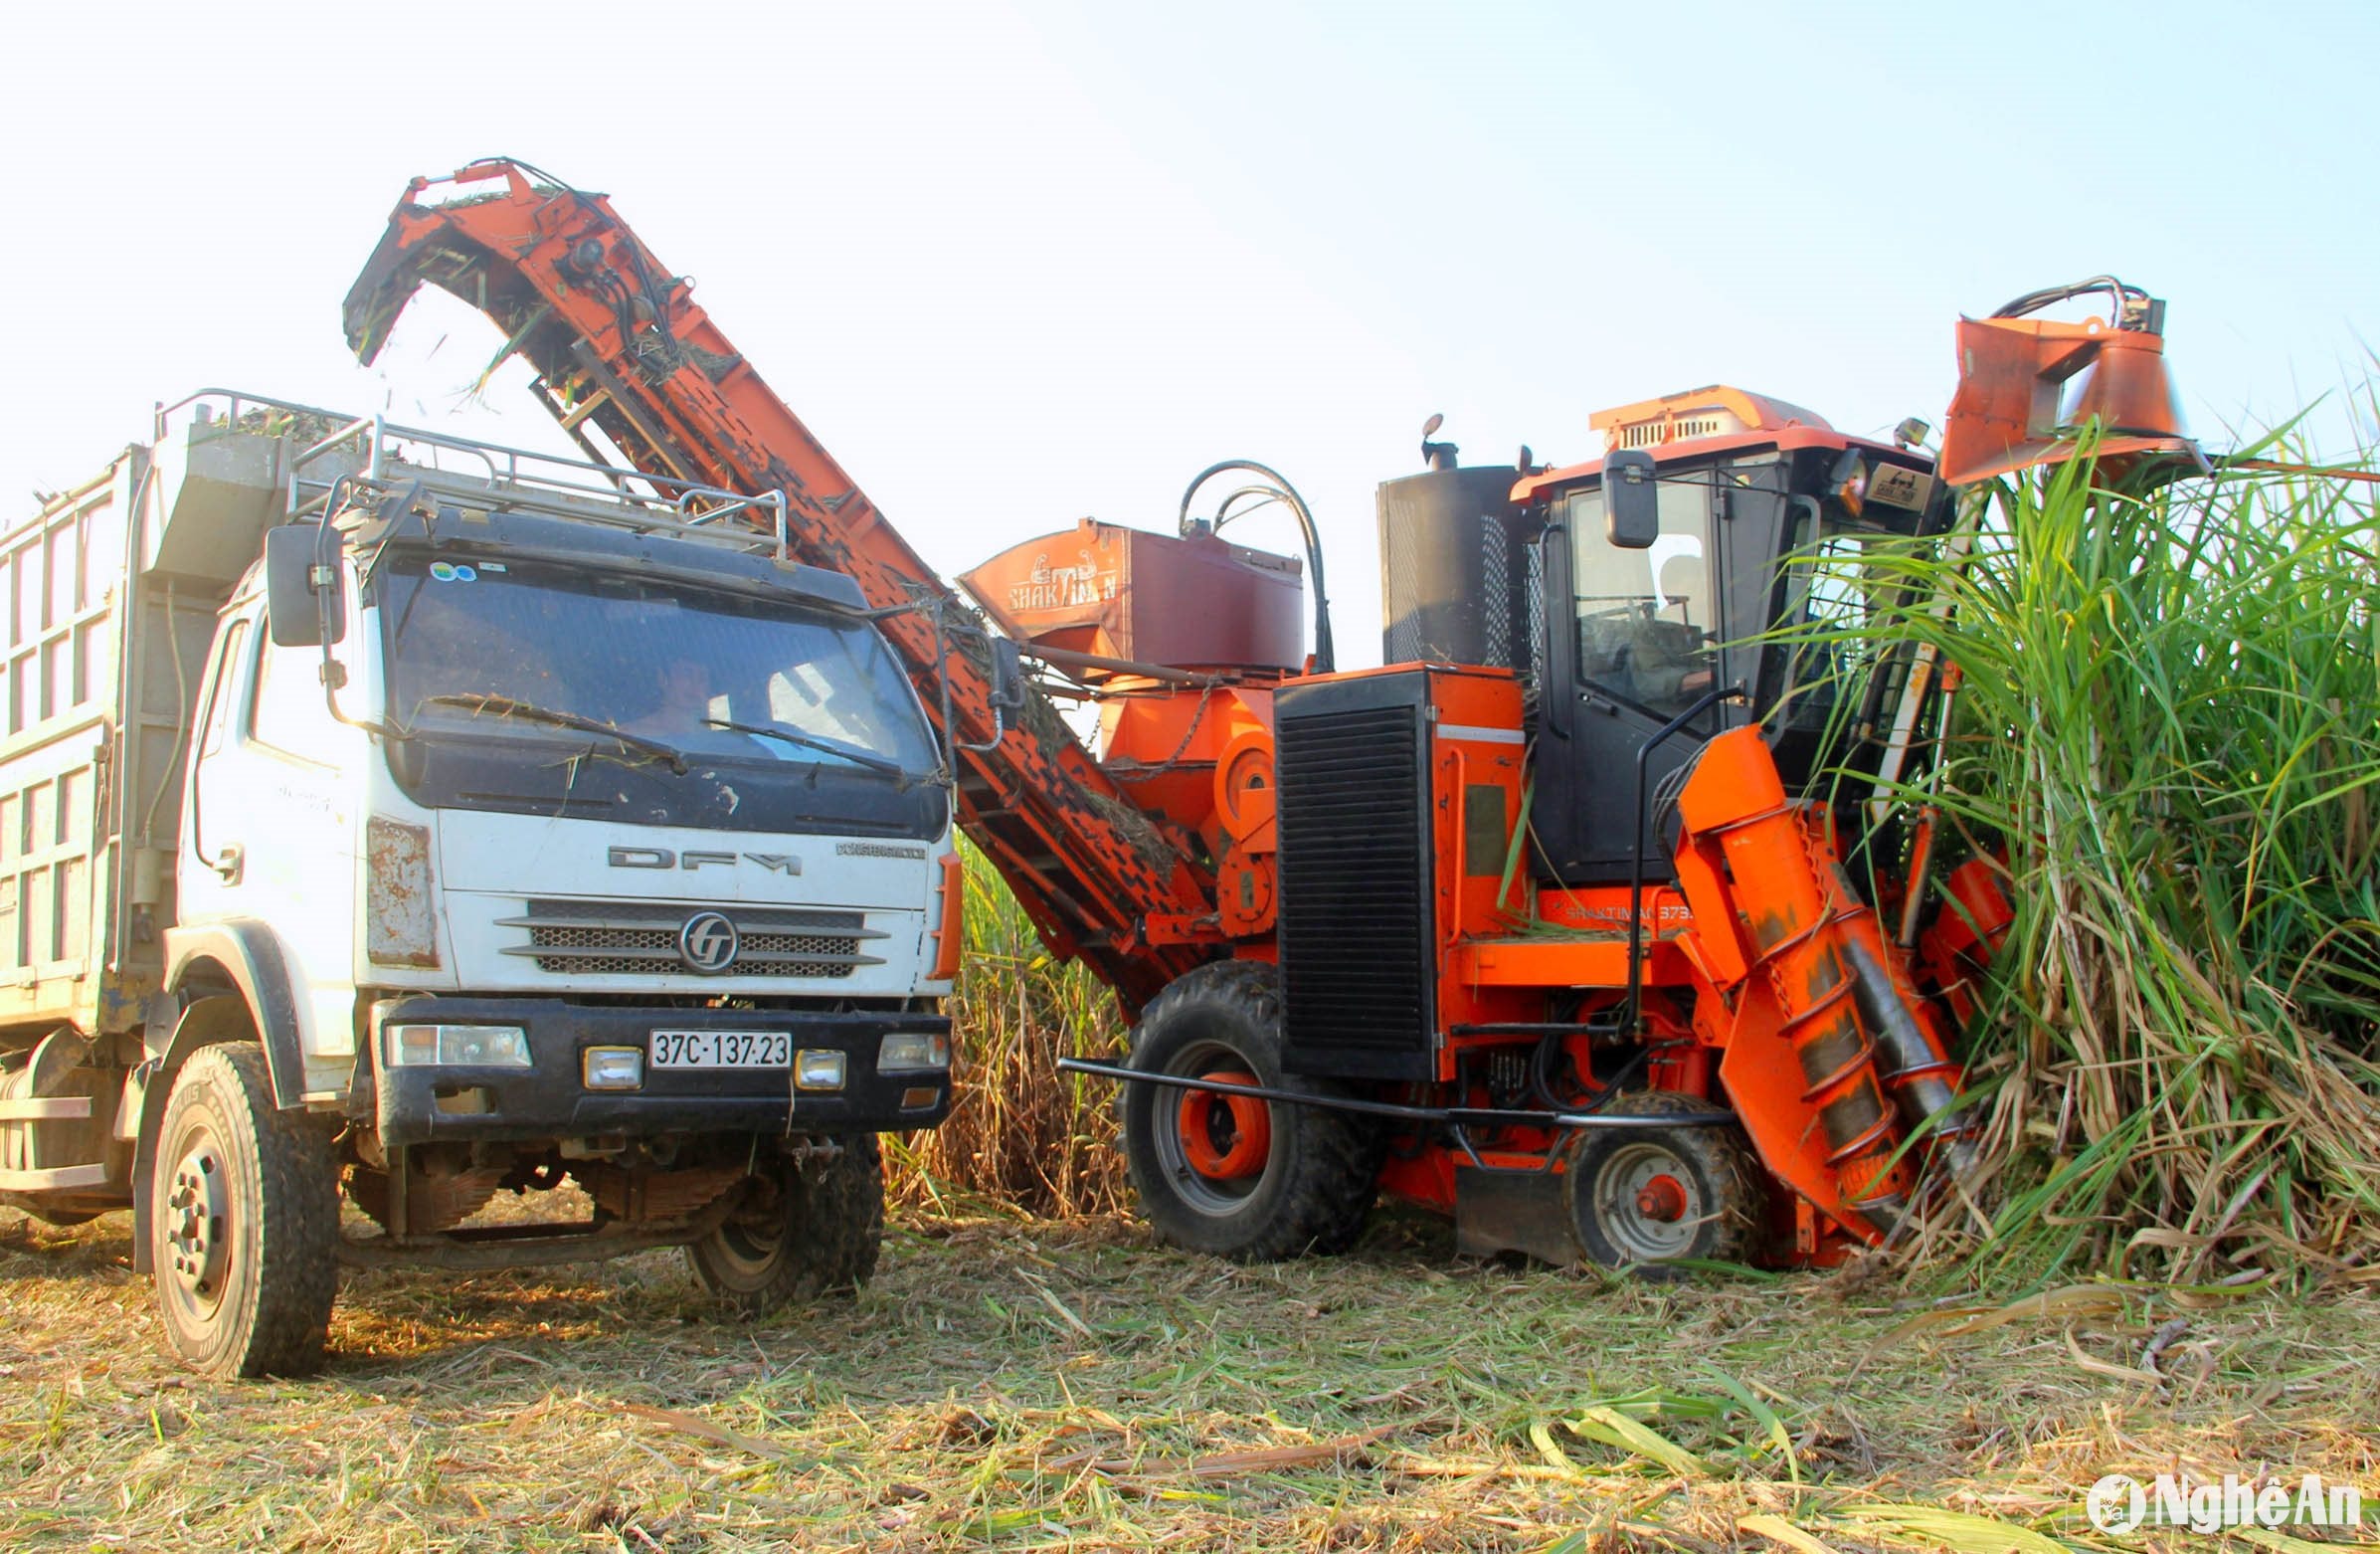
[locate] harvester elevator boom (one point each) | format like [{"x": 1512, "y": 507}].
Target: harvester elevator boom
[{"x": 621, "y": 347}]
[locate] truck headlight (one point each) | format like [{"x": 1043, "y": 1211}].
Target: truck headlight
[
  {"x": 818, "y": 1069},
  {"x": 611, "y": 1067},
  {"x": 907, "y": 1052},
  {"x": 459, "y": 1045}
]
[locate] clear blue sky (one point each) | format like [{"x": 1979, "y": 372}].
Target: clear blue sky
[{"x": 1019, "y": 263}]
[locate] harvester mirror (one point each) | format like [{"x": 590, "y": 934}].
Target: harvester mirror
[
  {"x": 1631, "y": 502},
  {"x": 1007, "y": 676},
  {"x": 302, "y": 603}
]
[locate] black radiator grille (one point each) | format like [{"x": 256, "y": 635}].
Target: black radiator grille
[
  {"x": 1355, "y": 928},
  {"x": 640, "y": 938}
]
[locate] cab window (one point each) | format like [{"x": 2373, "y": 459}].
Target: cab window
[
  {"x": 290, "y": 713},
  {"x": 1647, "y": 619},
  {"x": 219, "y": 696},
  {"x": 1828, "y": 618}
]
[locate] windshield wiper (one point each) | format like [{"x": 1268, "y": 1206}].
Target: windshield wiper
[
  {"x": 530, "y": 712},
  {"x": 874, "y": 763}
]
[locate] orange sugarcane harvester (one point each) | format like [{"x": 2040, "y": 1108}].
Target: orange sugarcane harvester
[{"x": 1585, "y": 920}]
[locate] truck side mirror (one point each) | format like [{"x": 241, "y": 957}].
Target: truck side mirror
[
  {"x": 1631, "y": 502},
  {"x": 1007, "y": 676},
  {"x": 303, "y": 606}
]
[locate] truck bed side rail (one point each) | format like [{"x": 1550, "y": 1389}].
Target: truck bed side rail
[{"x": 622, "y": 350}]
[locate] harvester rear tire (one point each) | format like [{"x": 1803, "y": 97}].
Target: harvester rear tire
[
  {"x": 814, "y": 1229},
  {"x": 1320, "y": 1168},
  {"x": 1721, "y": 1196}
]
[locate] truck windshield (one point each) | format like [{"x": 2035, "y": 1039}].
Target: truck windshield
[{"x": 750, "y": 696}]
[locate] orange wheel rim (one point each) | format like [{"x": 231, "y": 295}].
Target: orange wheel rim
[
  {"x": 1226, "y": 1138},
  {"x": 1663, "y": 1198}
]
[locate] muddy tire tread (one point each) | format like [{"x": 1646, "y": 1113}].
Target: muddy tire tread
[
  {"x": 296, "y": 1280},
  {"x": 1334, "y": 1157},
  {"x": 1727, "y": 1159},
  {"x": 835, "y": 1233}
]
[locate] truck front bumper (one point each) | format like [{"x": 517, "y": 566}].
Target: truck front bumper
[{"x": 549, "y": 1098}]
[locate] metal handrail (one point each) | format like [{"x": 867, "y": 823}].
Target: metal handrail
[
  {"x": 674, "y": 502},
  {"x": 238, "y": 398},
  {"x": 671, "y": 502},
  {"x": 1458, "y": 1116}
]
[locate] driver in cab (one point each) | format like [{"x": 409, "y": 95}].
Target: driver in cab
[
  {"x": 682, "y": 701},
  {"x": 1669, "y": 659}
]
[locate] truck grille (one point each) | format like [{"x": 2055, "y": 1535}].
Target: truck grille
[
  {"x": 640, "y": 939},
  {"x": 1359, "y": 998}
]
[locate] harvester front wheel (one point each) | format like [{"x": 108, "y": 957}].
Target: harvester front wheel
[
  {"x": 1647, "y": 1197},
  {"x": 1250, "y": 1180}
]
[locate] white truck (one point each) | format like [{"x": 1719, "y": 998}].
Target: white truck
[{"x": 387, "y": 812}]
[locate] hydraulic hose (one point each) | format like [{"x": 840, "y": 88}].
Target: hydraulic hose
[{"x": 1325, "y": 657}]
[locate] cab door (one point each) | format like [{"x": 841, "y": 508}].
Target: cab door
[
  {"x": 273, "y": 836},
  {"x": 1632, "y": 642},
  {"x": 213, "y": 861}
]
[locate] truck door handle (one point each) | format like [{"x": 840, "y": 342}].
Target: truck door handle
[{"x": 228, "y": 862}]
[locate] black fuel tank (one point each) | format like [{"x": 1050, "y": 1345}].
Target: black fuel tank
[{"x": 1456, "y": 583}]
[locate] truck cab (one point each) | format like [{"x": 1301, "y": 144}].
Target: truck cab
[{"x": 517, "y": 824}]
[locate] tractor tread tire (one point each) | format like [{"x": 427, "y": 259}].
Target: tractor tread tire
[
  {"x": 1722, "y": 1156},
  {"x": 292, "y": 1280},
  {"x": 833, "y": 1231},
  {"x": 1330, "y": 1160}
]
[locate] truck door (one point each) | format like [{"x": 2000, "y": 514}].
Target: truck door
[
  {"x": 211, "y": 864},
  {"x": 274, "y": 796}
]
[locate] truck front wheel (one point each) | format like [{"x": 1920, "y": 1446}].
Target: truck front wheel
[
  {"x": 811, "y": 1229},
  {"x": 245, "y": 1214}
]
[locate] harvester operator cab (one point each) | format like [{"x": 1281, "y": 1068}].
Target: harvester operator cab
[
  {"x": 1718, "y": 518},
  {"x": 1633, "y": 591}
]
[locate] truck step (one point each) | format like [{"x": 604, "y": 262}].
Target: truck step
[
  {"x": 55, "y": 1108},
  {"x": 55, "y": 1179}
]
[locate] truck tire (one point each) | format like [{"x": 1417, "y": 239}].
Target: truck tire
[
  {"x": 1641, "y": 1198},
  {"x": 812, "y": 1230},
  {"x": 1252, "y": 1181},
  {"x": 244, "y": 1237}
]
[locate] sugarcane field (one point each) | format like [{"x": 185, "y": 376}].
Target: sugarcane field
[{"x": 1527, "y": 778}]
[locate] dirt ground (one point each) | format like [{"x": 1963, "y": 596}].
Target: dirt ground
[{"x": 1015, "y": 1385}]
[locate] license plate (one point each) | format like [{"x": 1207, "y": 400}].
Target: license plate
[{"x": 721, "y": 1050}]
